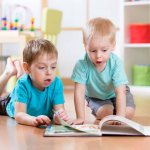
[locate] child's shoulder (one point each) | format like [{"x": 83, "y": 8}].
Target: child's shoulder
[
  {"x": 57, "y": 81},
  {"x": 24, "y": 78},
  {"x": 24, "y": 81},
  {"x": 115, "y": 58},
  {"x": 83, "y": 63}
]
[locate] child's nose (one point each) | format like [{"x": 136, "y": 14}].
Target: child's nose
[
  {"x": 99, "y": 54},
  {"x": 48, "y": 71}
]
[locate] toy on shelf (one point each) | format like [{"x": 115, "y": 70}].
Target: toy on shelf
[
  {"x": 17, "y": 17},
  {"x": 11, "y": 25},
  {"x": 4, "y": 23},
  {"x": 32, "y": 28},
  {"x": 16, "y": 24}
]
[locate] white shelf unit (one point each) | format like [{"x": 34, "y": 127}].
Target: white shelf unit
[{"x": 134, "y": 12}]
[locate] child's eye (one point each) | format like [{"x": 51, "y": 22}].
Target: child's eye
[
  {"x": 54, "y": 67},
  {"x": 104, "y": 50},
  {"x": 41, "y": 68},
  {"x": 93, "y": 51}
]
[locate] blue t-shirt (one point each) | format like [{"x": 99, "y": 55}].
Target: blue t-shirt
[
  {"x": 100, "y": 84},
  {"x": 37, "y": 102}
]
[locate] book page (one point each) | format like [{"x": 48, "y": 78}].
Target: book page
[
  {"x": 88, "y": 128},
  {"x": 130, "y": 123},
  {"x": 60, "y": 130},
  {"x": 119, "y": 130},
  {"x": 147, "y": 130}
]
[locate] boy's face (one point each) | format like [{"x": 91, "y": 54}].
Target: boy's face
[
  {"x": 99, "y": 51},
  {"x": 43, "y": 70}
]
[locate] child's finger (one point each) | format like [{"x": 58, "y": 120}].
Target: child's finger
[
  {"x": 46, "y": 120},
  {"x": 39, "y": 120},
  {"x": 35, "y": 122},
  {"x": 65, "y": 117},
  {"x": 70, "y": 121}
]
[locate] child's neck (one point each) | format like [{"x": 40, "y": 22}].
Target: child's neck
[{"x": 101, "y": 67}]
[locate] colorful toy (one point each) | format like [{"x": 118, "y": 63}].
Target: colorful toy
[
  {"x": 4, "y": 23},
  {"x": 10, "y": 25},
  {"x": 32, "y": 24},
  {"x": 16, "y": 24},
  {"x": 19, "y": 18}
]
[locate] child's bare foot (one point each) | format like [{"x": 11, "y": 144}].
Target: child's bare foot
[
  {"x": 18, "y": 68},
  {"x": 10, "y": 68}
]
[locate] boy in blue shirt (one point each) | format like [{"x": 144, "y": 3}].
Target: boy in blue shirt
[
  {"x": 38, "y": 92},
  {"x": 99, "y": 77}
]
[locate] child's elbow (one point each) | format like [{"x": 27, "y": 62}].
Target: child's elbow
[{"x": 18, "y": 117}]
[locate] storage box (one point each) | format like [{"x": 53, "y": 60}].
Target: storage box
[
  {"x": 139, "y": 33},
  {"x": 141, "y": 75}
]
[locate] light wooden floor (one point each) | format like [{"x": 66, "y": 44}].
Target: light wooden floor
[{"x": 19, "y": 137}]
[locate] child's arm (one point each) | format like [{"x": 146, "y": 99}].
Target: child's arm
[
  {"x": 23, "y": 118},
  {"x": 121, "y": 100},
  {"x": 79, "y": 101}
]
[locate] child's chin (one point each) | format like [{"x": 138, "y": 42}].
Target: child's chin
[{"x": 46, "y": 85}]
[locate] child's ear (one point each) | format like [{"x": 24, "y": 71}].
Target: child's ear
[
  {"x": 26, "y": 67},
  {"x": 114, "y": 45}
]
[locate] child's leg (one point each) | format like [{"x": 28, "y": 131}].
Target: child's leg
[
  {"x": 104, "y": 111},
  {"x": 130, "y": 106},
  {"x": 100, "y": 108},
  {"x": 3, "y": 104}
]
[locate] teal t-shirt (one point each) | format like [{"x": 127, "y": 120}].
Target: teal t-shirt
[
  {"x": 100, "y": 84},
  {"x": 37, "y": 102}
]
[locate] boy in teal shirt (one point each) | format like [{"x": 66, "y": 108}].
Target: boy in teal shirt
[
  {"x": 99, "y": 77},
  {"x": 39, "y": 91}
]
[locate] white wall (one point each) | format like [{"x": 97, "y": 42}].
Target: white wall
[
  {"x": 109, "y": 9},
  {"x": 69, "y": 43},
  {"x": 74, "y": 15}
]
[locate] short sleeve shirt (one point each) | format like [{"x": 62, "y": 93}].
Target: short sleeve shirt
[
  {"x": 37, "y": 102},
  {"x": 100, "y": 84}
]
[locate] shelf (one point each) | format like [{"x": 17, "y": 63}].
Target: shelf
[
  {"x": 135, "y": 12},
  {"x": 137, "y": 45},
  {"x": 141, "y": 90},
  {"x": 137, "y": 3}
]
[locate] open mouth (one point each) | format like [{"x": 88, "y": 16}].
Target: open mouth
[
  {"x": 98, "y": 62},
  {"x": 47, "y": 81}
]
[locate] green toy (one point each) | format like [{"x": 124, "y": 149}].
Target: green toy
[{"x": 141, "y": 75}]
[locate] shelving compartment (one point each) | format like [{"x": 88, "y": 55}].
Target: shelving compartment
[{"x": 137, "y": 12}]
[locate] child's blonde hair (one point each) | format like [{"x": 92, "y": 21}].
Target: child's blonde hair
[
  {"x": 101, "y": 28},
  {"x": 34, "y": 48}
]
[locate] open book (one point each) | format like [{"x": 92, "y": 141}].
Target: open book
[{"x": 128, "y": 127}]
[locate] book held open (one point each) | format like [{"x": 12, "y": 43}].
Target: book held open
[{"x": 128, "y": 127}]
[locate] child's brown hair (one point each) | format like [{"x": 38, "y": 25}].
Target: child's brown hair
[{"x": 34, "y": 48}]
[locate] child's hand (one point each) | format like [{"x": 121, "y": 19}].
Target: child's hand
[
  {"x": 114, "y": 123},
  {"x": 78, "y": 121},
  {"x": 41, "y": 120},
  {"x": 63, "y": 115}
]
